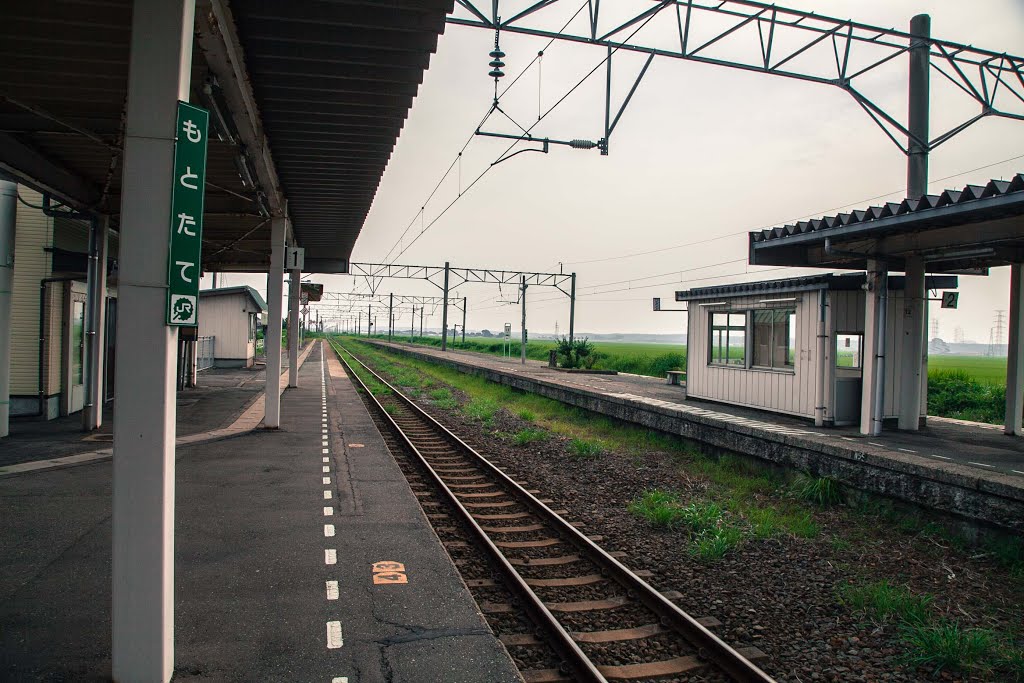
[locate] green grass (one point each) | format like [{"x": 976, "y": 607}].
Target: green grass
[
  {"x": 987, "y": 369},
  {"x": 660, "y": 509},
  {"x": 524, "y": 437},
  {"x": 526, "y": 415},
  {"x": 442, "y": 398},
  {"x": 959, "y": 394},
  {"x": 585, "y": 448},
  {"x": 483, "y": 409},
  {"x": 948, "y": 646},
  {"x": 822, "y": 491},
  {"x": 884, "y": 601},
  {"x": 716, "y": 543}
]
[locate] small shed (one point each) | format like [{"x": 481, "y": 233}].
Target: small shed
[
  {"x": 792, "y": 346},
  {"x": 229, "y": 315}
]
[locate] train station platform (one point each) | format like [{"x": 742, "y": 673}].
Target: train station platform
[
  {"x": 277, "y": 537},
  {"x": 967, "y": 469}
]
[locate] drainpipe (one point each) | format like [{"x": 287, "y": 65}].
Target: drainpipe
[
  {"x": 819, "y": 390},
  {"x": 8, "y": 217},
  {"x": 878, "y": 413},
  {"x": 42, "y": 336}
]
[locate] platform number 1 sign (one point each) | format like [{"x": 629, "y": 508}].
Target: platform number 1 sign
[
  {"x": 183, "y": 263},
  {"x": 950, "y": 299}
]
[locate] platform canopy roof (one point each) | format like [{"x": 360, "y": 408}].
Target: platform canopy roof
[
  {"x": 307, "y": 99},
  {"x": 958, "y": 231},
  {"x": 809, "y": 283}
]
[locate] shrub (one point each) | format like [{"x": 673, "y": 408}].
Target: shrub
[{"x": 957, "y": 394}]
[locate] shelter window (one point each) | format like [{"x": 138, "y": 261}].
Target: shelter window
[
  {"x": 849, "y": 350},
  {"x": 775, "y": 338},
  {"x": 252, "y": 326},
  {"x": 728, "y": 339}
]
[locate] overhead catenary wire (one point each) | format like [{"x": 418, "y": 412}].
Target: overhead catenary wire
[
  {"x": 526, "y": 133},
  {"x": 791, "y": 220},
  {"x": 472, "y": 135}
]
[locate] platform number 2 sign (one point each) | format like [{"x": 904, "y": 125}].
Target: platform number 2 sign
[{"x": 950, "y": 299}]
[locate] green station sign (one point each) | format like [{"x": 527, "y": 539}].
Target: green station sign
[{"x": 183, "y": 264}]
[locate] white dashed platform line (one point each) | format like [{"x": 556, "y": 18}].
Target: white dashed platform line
[
  {"x": 328, "y": 530},
  {"x": 326, "y": 469},
  {"x": 339, "y": 679},
  {"x": 1017, "y": 472},
  {"x": 326, "y": 450},
  {"x": 940, "y": 457},
  {"x": 332, "y": 590},
  {"x": 328, "y": 511},
  {"x": 880, "y": 445},
  {"x": 326, "y": 459},
  {"x": 330, "y": 556},
  {"x": 906, "y": 450},
  {"x": 979, "y": 464},
  {"x": 334, "y": 639},
  {"x": 327, "y": 480},
  {"x": 327, "y": 495}
]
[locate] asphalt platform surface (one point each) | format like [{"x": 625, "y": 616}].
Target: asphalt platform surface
[{"x": 262, "y": 591}]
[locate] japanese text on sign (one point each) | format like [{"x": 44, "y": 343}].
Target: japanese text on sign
[{"x": 183, "y": 268}]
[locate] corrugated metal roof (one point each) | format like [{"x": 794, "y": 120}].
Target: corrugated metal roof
[
  {"x": 925, "y": 208},
  {"x": 830, "y": 281},
  {"x": 240, "y": 289},
  {"x": 333, "y": 82}
]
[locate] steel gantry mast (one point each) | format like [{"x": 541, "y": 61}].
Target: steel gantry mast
[
  {"x": 785, "y": 42},
  {"x": 447, "y": 277}
]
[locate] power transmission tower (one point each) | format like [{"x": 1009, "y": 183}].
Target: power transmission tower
[
  {"x": 998, "y": 334},
  {"x": 958, "y": 334},
  {"x": 934, "y": 328}
]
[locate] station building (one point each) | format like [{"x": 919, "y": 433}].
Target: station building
[
  {"x": 228, "y": 318},
  {"x": 793, "y": 346},
  {"x": 48, "y": 366},
  {"x": 819, "y": 346}
]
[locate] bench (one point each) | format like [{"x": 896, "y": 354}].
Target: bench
[{"x": 673, "y": 376}]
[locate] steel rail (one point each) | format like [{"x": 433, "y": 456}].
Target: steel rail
[
  {"x": 707, "y": 644},
  {"x": 574, "y": 657}
]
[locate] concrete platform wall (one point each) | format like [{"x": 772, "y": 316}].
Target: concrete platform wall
[{"x": 980, "y": 500}]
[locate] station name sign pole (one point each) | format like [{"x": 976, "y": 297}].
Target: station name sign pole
[{"x": 183, "y": 263}]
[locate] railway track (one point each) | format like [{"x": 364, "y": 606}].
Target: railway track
[{"x": 603, "y": 621}]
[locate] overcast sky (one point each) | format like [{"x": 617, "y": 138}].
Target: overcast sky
[{"x": 702, "y": 155}]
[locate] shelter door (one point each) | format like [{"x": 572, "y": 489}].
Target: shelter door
[
  {"x": 848, "y": 373},
  {"x": 76, "y": 353}
]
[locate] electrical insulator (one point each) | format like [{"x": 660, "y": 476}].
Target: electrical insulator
[
  {"x": 582, "y": 144},
  {"x": 496, "y": 64}
]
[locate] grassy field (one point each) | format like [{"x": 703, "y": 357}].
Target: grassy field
[
  {"x": 963, "y": 387},
  {"x": 985, "y": 369}
]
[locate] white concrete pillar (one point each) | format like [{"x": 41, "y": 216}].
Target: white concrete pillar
[
  {"x": 8, "y": 219},
  {"x": 294, "y": 338},
  {"x": 1015, "y": 355},
  {"x": 272, "y": 334},
  {"x": 96, "y": 306},
  {"x": 142, "y": 609},
  {"x": 914, "y": 347},
  {"x": 873, "y": 376},
  {"x": 821, "y": 360}
]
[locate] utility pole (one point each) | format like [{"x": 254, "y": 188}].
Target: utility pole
[
  {"x": 444, "y": 309},
  {"x": 391, "y": 314},
  {"x": 369, "y": 319},
  {"x": 359, "y": 324},
  {"x": 463, "y": 320},
  {"x": 412, "y": 326},
  {"x": 572, "y": 307},
  {"x": 522, "y": 346},
  {"x": 421, "y": 321}
]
